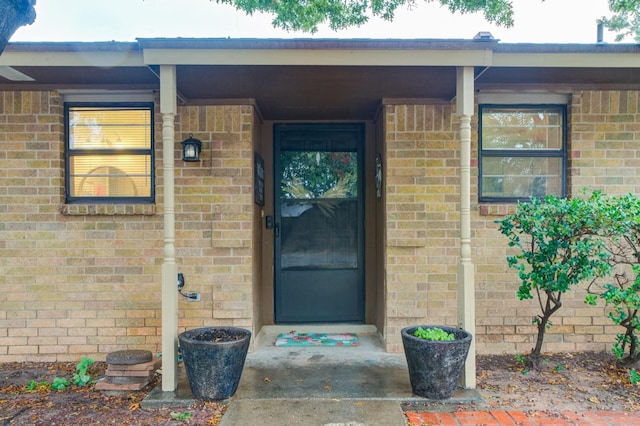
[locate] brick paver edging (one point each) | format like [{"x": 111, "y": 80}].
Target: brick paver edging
[{"x": 522, "y": 418}]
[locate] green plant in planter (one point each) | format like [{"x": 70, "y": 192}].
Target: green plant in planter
[
  {"x": 434, "y": 333},
  {"x": 558, "y": 247},
  {"x": 435, "y": 358}
]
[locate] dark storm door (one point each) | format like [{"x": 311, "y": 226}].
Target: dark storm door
[{"x": 319, "y": 238}]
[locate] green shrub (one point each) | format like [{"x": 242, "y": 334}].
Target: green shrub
[{"x": 559, "y": 246}]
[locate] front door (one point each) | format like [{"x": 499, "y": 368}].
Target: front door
[{"x": 319, "y": 238}]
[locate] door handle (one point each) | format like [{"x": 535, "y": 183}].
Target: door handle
[{"x": 276, "y": 229}]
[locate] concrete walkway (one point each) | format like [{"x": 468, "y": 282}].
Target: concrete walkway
[{"x": 309, "y": 386}]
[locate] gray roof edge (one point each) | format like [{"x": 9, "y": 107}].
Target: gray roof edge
[
  {"x": 567, "y": 48},
  {"x": 73, "y": 46},
  {"x": 319, "y": 44}
]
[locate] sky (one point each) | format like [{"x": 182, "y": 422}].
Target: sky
[{"x": 536, "y": 21}]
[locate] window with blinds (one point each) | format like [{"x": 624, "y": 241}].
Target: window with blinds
[{"x": 109, "y": 153}]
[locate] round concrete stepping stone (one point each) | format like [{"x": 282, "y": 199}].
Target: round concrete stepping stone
[{"x": 129, "y": 357}]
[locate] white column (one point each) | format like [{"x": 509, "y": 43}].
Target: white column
[
  {"x": 466, "y": 269},
  {"x": 168, "y": 109}
]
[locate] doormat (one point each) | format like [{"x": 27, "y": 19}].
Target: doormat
[{"x": 317, "y": 339}]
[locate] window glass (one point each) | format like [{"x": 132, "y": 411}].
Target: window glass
[
  {"x": 522, "y": 152},
  {"x": 511, "y": 128},
  {"x": 91, "y": 128},
  {"x": 521, "y": 177},
  {"x": 109, "y": 153}
]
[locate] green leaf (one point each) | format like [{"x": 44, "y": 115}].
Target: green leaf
[
  {"x": 81, "y": 378},
  {"x": 181, "y": 416},
  {"x": 59, "y": 383}
]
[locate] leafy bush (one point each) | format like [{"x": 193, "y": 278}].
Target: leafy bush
[
  {"x": 559, "y": 247},
  {"x": 621, "y": 226}
]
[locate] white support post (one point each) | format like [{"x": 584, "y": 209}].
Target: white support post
[
  {"x": 466, "y": 269},
  {"x": 168, "y": 109}
]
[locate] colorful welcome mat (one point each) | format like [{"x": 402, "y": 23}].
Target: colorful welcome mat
[{"x": 317, "y": 339}]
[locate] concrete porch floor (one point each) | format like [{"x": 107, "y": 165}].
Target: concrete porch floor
[{"x": 288, "y": 379}]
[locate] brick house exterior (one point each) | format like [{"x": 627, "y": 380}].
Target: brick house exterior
[{"x": 86, "y": 279}]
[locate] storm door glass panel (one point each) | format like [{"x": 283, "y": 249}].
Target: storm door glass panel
[
  {"x": 319, "y": 237},
  {"x": 319, "y": 209}
]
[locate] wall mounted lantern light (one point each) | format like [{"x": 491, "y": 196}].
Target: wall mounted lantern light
[{"x": 191, "y": 149}]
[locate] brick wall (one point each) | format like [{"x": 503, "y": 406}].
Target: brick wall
[
  {"x": 422, "y": 199},
  {"x": 84, "y": 280},
  {"x": 422, "y": 147},
  {"x": 215, "y": 211}
]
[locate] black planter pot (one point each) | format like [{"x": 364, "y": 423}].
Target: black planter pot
[
  {"x": 214, "y": 368},
  {"x": 435, "y": 367}
]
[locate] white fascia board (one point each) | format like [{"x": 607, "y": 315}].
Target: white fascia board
[
  {"x": 523, "y": 97},
  {"x": 105, "y": 95},
  {"x": 318, "y": 57},
  {"x": 77, "y": 58},
  {"x": 566, "y": 60},
  {"x": 13, "y": 74}
]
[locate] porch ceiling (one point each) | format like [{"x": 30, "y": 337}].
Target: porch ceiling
[
  {"x": 281, "y": 92},
  {"x": 315, "y": 92}
]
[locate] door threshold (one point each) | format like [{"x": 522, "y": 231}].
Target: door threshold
[{"x": 320, "y": 328}]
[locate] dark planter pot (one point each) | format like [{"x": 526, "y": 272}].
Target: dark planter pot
[
  {"x": 435, "y": 367},
  {"x": 214, "y": 368}
]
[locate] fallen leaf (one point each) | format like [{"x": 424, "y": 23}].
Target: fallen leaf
[
  {"x": 134, "y": 406},
  {"x": 215, "y": 420},
  {"x": 594, "y": 400},
  {"x": 328, "y": 388},
  {"x": 267, "y": 380}
]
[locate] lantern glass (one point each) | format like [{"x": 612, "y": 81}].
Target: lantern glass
[{"x": 191, "y": 149}]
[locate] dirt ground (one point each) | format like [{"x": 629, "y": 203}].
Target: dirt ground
[{"x": 582, "y": 381}]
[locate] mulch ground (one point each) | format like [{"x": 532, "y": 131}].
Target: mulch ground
[
  {"x": 26, "y": 398},
  {"x": 570, "y": 388}
]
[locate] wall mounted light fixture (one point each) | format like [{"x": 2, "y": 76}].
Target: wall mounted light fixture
[{"x": 191, "y": 149}]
